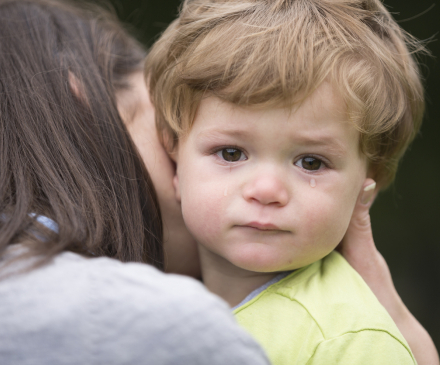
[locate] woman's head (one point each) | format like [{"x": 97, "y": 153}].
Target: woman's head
[
  {"x": 180, "y": 248},
  {"x": 64, "y": 150}
]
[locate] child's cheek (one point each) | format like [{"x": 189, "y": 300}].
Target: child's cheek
[
  {"x": 327, "y": 218},
  {"x": 202, "y": 207}
]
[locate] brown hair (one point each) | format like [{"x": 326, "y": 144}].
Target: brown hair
[
  {"x": 65, "y": 153},
  {"x": 276, "y": 53}
]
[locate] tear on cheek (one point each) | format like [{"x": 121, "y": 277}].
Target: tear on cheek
[{"x": 312, "y": 183}]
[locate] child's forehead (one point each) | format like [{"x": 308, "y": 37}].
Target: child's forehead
[
  {"x": 324, "y": 103},
  {"x": 319, "y": 120}
]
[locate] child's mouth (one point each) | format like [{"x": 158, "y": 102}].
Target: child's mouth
[{"x": 262, "y": 226}]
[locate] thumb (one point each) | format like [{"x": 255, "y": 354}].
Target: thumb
[{"x": 359, "y": 236}]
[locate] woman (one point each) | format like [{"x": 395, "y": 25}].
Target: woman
[
  {"x": 72, "y": 103},
  {"x": 66, "y": 157}
]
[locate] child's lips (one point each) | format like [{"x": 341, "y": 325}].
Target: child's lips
[{"x": 263, "y": 226}]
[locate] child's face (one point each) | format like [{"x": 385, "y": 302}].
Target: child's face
[{"x": 270, "y": 190}]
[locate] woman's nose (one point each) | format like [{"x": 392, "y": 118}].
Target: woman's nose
[{"x": 266, "y": 189}]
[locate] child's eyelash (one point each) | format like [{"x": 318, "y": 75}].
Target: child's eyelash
[
  {"x": 231, "y": 157},
  {"x": 219, "y": 148},
  {"x": 318, "y": 157},
  {"x": 322, "y": 160},
  {"x": 326, "y": 163}
]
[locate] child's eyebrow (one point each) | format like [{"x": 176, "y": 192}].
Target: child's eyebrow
[
  {"x": 327, "y": 142},
  {"x": 216, "y": 133},
  {"x": 332, "y": 144}
]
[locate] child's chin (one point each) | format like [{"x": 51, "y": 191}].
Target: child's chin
[{"x": 263, "y": 262}]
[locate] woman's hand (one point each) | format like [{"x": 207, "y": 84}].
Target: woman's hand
[{"x": 359, "y": 250}]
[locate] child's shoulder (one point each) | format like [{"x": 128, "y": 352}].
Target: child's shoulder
[
  {"x": 322, "y": 308},
  {"x": 335, "y": 296}
]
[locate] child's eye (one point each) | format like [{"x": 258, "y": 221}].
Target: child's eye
[
  {"x": 309, "y": 163},
  {"x": 231, "y": 154}
]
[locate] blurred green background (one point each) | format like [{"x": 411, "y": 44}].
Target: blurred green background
[{"x": 406, "y": 218}]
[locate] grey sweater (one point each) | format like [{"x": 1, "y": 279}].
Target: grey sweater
[{"x": 100, "y": 311}]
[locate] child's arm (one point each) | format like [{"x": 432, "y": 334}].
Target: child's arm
[{"x": 359, "y": 250}]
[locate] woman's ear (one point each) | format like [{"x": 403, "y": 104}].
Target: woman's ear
[{"x": 76, "y": 87}]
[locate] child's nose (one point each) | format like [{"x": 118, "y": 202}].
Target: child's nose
[{"x": 267, "y": 188}]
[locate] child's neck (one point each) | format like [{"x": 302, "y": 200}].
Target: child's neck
[{"x": 229, "y": 282}]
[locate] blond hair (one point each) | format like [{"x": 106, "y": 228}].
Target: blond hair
[{"x": 276, "y": 53}]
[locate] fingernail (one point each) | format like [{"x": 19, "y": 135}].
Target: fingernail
[{"x": 368, "y": 193}]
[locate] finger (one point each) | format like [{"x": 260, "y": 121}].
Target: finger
[
  {"x": 361, "y": 214},
  {"x": 359, "y": 234},
  {"x": 368, "y": 192}
]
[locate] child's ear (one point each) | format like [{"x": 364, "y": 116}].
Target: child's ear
[
  {"x": 174, "y": 156},
  {"x": 172, "y": 150},
  {"x": 170, "y": 147},
  {"x": 176, "y": 186}
]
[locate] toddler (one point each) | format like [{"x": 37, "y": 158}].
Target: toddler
[{"x": 278, "y": 115}]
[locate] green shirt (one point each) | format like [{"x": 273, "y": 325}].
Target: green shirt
[{"x": 326, "y": 314}]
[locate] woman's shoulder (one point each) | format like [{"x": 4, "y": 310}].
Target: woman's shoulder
[
  {"x": 79, "y": 308},
  {"x": 130, "y": 284},
  {"x": 71, "y": 280}
]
